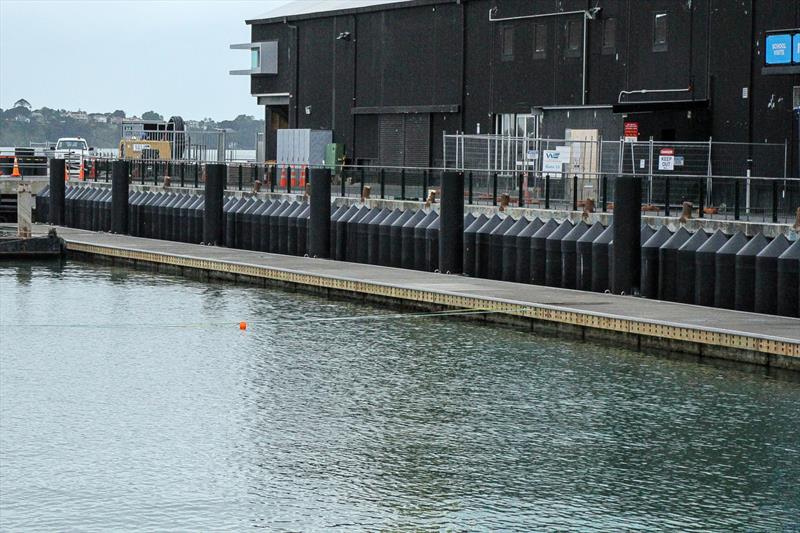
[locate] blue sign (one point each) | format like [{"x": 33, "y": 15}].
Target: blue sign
[
  {"x": 779, "y": 49},
  {"x": 796, "y": 58}
]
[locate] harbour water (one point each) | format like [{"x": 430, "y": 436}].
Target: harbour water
[{"x": 130, "y": 400}]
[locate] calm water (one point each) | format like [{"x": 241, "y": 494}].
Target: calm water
[{"x": 134, "y": 402}]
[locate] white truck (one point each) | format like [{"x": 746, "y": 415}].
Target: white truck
[{"x": 72, "y": 150}]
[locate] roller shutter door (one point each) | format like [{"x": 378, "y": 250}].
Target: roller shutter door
[{"x": 405, "y": 140}]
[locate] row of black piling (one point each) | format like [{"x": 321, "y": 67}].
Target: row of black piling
[{"x": 735, "y": 272}]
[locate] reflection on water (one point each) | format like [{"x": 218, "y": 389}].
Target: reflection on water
[{"x": 133, "y": 401}]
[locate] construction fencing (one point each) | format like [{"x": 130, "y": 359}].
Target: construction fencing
[{"x": 573, "y": 170}]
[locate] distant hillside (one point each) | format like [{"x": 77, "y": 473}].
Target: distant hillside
[{"x": 21, "y": 126}]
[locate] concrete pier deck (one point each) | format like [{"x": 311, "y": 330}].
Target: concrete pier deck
[{"x": 634, "y": 322}]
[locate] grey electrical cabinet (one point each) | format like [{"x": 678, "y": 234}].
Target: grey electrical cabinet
[{"x": 302, "y": 146}]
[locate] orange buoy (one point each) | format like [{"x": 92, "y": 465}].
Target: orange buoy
[{"x": 242, "y": 326}]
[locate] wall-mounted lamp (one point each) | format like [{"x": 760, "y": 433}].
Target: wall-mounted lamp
[{"x": 308, "y": 110}]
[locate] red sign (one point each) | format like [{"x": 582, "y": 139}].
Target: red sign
[
  {"x": 632, "y": 130},
  {"x": 668, "y": 151}
]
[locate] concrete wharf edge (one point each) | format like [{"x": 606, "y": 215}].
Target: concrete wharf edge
[{"x": 632, "y": 322}]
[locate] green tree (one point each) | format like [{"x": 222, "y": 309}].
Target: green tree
[{"x": 151, "y": 115}]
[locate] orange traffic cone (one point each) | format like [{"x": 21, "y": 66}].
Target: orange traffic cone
[
  {"x": 16, "y": 173},
  {"x": 66, "y": 171},
  {"x": 304, "y": 177},
  {"x": 92, "y": 170},
  {"x": 283, "y": 177},
  {"x": 81, "y": 175}
]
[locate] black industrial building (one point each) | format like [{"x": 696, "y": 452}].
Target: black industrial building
[{"x": 389, "y": 77}]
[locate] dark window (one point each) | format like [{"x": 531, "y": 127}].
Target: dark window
[
  {"x": 574, "y": 39},
  {"x": 659, "y": 32},
  {"x": 609, "y": 36},
  {"x": 507, "y": 38},
  {"x": 540, "y": 41}
]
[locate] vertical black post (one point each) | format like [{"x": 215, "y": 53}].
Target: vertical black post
[
  {"x": 212, "y": 218},
  {"x": 626, "y": 252},
  {"x": 702, "y": 198},
  {"x": 547, "y": 191},
  {"x": 494, "y": 188},
  {"x": 470, "y": 188},
  {"x": 736, "y": 199},
  {"x": 666, "y": 196},
  {"x": 521, "y": 199},
  {"x": 402, "y": 184},
  {"x": 108, "y": 165},
  {"x": 119, "y": 197},
  {"x": 424, "y": 185},
  {"x": 574, "y": 193},
  {"x": 604, "y": 186},
  {"x": 141, "y": 170},
  {"x": 196, "y": 175},
  {"x": 343, "y": 183},
  {"x": 383, "y": 183},
  {"x": 774, "y": 201},
  {"x": 289, "y": 180},
  {"x": 451, "y": 223},
  {"x": 361, "y": 178},
  {"x": 241, "y": 178},
  {"x": 273, "y": 177},
  {"x": 183, "y": 173},
  {"x": 57, "y": 192},
  {"x": 319, "y": 223}
]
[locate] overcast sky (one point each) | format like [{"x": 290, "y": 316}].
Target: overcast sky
[{"x": 171, "y": 56}]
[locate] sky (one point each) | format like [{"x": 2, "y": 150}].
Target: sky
[{"x": 170, "y": 56}]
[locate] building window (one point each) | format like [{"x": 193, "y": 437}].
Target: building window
[
  {"x": 540, "y": 41},
  {"x": 609, "y": 36},
  {"x": 255, "y": 59},
  {"x": 507, "y": 43},
  {"x": 659, "y": 32},
  {"x": 574, "y": 38}
]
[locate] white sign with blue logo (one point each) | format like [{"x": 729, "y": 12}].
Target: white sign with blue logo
[{"x": 779, "y": 49}]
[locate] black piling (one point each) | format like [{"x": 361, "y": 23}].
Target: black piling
[
  {"x": 626, "y": 252},
  {"x": 212, "y": 214},
  {"x": 374, "y": 236},
  {"x": 407, "y": 249},
  {"x": 432, "y": 244},
  {"x": 57, "y": 200},
  {"x": 420, "y": 243},
  {"x": 319, "y": 221},
  {"x": 396, "y": 236},
  {"x": 451, "y": 223}
]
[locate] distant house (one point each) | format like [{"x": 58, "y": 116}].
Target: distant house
[
  {"x": 22, "y": 118},
  {"x": 116, "y": 120},
  {"x": 22, "y": 103},
  {"x": 78, "y": 115},
  {"x": 37, "y": 116},
  {"x": 101, "y": 118},
  {"x": 192, "y": 125}
]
